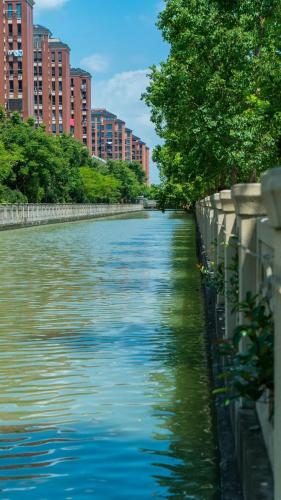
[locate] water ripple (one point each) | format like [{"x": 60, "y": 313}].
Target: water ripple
[{"x": 103, "y": 373}]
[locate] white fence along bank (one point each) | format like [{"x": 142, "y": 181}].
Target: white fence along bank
[
  {"x": 12, "y": 216},
  {"x": 246, "y": 221}
]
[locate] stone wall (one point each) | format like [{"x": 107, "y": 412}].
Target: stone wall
[
  {"x": 14, "y": 216},
  {"x": 246, "y": 221}
]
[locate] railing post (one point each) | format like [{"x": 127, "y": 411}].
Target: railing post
[
  {"x": 271, "y": 192},
  {"x": 248, "y": 208},
  {"x": 230, "y": 249},
  {"x": 218, "y": 243},
  {"x": 209, "y": 224}
]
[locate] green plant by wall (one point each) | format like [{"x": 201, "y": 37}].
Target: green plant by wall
[
  {"x": 249, "y": 372},
  {"x": 213, "y": 276}
]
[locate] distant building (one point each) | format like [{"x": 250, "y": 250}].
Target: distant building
[
  {"x": 128, "y": 144},
  {"x": 42, "y": 77},
  {"x": 112, "y": 140},
  {"x": 80, "y": 106},
  {"x": 60, "y": 91},
  {"x": 108, "y": 134},
  {"x": 16, "y": 62}
]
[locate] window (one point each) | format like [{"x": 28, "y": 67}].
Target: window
[
  {"x": 11, "y": 86},
  {"x": 60, "y": 57},
  {"x": 20, "y": 86},
  {"x": 53, "y": 56},
  {"x": 18, "y": 11},
  {"x": 60, "y": 86},
  {"x": 60, "y": 128},
  {"x": 60, "y": 114},
  {"x": 72, "y": 82},
  {"x": 54, "y": 128},
  {"x": 19, "y": 46},
  {"x": 10, "y": 45},
  {"x": 60, "y": 100},
  {"x": 11, "y": 68},
  {"x": 53, "y": 100},
  {"x": 10, "y": 30},
  {"x": 38, "y": 56},
  {"x": 84, "y": 130},
  {"x": 53, "y": 86},
  {"x": 19, "y": 29},
  {"x": 10, "y": 10},
  {"x": 53, "y": 115},
  {"x": 60, "y": 71},
  {"x": 108, "y": 126},
  {"x": 53, "y": 71}
]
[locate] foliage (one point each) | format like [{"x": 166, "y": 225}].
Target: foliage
[
  {"x": 214, "y": 276},
  {"x": 99, "y": 188},
  {"x": 216, "y": 100},
  {"x": 130, "y": 187},
  {"x": 170, "y": 195},
  {"x": 39, "y": 168},
  {"x": 249, "y": 371}
]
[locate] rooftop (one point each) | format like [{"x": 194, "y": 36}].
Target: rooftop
[
  {"x": 79, "y": 72},
  {"x": 41, "y": 30},
  {"x": 56, "y": 43}
]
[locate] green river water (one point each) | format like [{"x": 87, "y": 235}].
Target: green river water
[{"x": 104, "y": 384}]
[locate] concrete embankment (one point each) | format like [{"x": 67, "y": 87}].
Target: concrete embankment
[{"x": 17, "y": 216}]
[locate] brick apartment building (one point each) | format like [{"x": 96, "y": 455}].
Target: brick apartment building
[
  {"x": 80, "y": 106},
  {"x": 42, "y": 77},
  {"x": 51, "y": 81},
  {"x": 140, "y": 153},
  {"x": 36, "y": 80},
  {"x": 113, "y": 140},
  {"x": 35, "y": 69},
  {"x": 16, "y": 62},
  {"x": 128, "y": 144},
  {"x": 60, "y": 92},
  {"x": 108, "y": 133}
]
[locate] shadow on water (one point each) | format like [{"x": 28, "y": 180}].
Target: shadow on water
[{"x": 103, "y": 372}]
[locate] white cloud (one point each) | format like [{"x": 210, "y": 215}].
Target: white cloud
[
  {"x": 96, "y": 63},
  {"x": 121, "y": 95},
  {"x": 49, "y": 4}
]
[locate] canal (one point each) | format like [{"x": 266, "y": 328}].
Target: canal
[{"x": 104, "y": 386}]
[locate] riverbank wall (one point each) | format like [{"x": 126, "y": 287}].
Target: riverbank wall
[
  {"x": 18, "y": 216},
  {"x": 239, "y": 233}
]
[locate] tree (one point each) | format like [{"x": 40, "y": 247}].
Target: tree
[
  {"x": 130, "y": 187},
  {"x": 216, "y": 101},
  {"x": 99, "y": 188}
]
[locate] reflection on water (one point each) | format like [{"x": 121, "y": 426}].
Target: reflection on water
[{"x": 103, "y": 373}]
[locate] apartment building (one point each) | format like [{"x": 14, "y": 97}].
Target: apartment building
[
  {"x": 80, "y": 106},
  {"x": 140, "y": 153},
  {"x": 108, "y": 133},
  {"x": 128, "y": 144},
  {"x": 111, "y": 139},
  {"x": 42, "y": 77},
  {"x": 60, "y": 86},
  {"x": 16, "y": 62}
]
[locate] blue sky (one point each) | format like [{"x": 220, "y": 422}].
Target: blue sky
[{"x": 116, "y": 41}]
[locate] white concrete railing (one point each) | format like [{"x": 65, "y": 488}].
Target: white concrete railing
[
  {"x": 247, "y": 220},
  {"x": 32, "y": 214}
]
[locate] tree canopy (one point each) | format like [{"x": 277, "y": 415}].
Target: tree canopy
[
  {"x": 216, "y": 100},
  {"x": 38, "y": 168}
]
